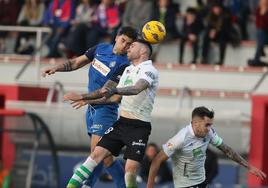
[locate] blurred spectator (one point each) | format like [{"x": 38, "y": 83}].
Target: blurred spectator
[
  {"x": 137, "y": 13},
  {"x": 192, "y": 27},
  {"x": 58, "y": 16},
  {"x": 262, "y": 32},
  {"x": 31, "y": 14},
  {"x": 85, "y": 17},
  {"x": 218, "y": 24},
  {"x": 108, "y": 22},
  {"x": 240, "y": 14},
  {"x": 164, "y": 174},
  {"x": 103, "y": 20},
  {"x": 8, "y": 16},
  {"x": 165, "y": 11},
  {"x": 211, "y": 166}
]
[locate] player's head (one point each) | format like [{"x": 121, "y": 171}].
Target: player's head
[
  {"x": 139, "y": 49},
  {"x": 202, "y": 119},
  {"x": 151, "y": 151},
  {"x": 124, "y": 38}
]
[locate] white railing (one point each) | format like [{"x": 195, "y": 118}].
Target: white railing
[{"x": 39, "y": 32}]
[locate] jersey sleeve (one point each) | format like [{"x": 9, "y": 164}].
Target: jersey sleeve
[
  {"x": 215, "y": 140},
  {"x": 118, "y": 73},
  {"x": 149, "y": 75},
  {"x": 174, "y": 143},
  {"x": 90, "y": 53}
]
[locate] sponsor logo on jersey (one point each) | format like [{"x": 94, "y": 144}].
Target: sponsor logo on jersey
[
  {"x": 197, "y": 152},
  {"x": 99, "y": 66},
  {"x": 128, "y": 81}
]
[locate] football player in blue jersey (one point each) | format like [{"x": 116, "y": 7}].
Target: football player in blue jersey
[{"x": 108, "y": 62}]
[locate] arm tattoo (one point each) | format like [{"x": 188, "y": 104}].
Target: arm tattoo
[
  {"x": 229, "y": 152},
  {"x": 97, "y": 94},
  {"x": 67, "y": 66},
  {"x": 134, "y": 90},
  {"x": 110, "y": 84}
]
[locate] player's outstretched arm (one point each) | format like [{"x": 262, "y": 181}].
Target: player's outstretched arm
[
  {"x": 160, "y": 157},
  {"x": 90, "y": 96},
  {"x": 129, "y": 90},
  {"x": 100, "y": 92},
  {"x": 69, "y": 65},
  {"x": 228, "y": 151},
  {"x": 76, "y": 104}
]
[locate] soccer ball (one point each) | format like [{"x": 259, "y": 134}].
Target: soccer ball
[{"x": 153, "y": 32}]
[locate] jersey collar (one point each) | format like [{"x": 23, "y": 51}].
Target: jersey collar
[
  {"x": 148, "y": 62},
  {"x": 191, "y": 129}
]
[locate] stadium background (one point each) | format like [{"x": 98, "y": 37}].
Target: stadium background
[{"x": 40, "y": 132}]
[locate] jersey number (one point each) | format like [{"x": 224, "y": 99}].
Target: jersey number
[{"x": 109, "y": 130}]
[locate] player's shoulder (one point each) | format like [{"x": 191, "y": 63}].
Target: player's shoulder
[
  {"x": 182, "y": 133},
  {"x": 102, "y": 47},
  {"x": 148, "y": 66},
  {"x": 122, "y": 60}
]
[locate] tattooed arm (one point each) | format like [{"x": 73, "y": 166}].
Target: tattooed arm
[
  {"x": 129, "y": 90},
  {"x": 70, "y": 65},
  {"x": 106, "y": 95},
  {"x": 96, "y": 97},
  {"x": 114, "y": 99},
  {"x": 99, "y": 93},
  {"x": 229, "y": 152}
]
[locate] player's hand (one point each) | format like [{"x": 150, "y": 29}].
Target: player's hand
[
  {"x": 257, "y": 172},
  {"x": 108, "y": 92},
  {"x": 48, "y": 71},
  {"x": 72, "y": 97},
  {"x": 78, "y": 104}
]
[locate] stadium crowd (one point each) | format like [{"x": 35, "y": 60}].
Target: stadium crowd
[{"x": 78, "y": 25}]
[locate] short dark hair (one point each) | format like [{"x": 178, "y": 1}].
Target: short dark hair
[
  {"x": 146, "y": 44},
  {"x": 191, "y": 10},
  {"x": 128, "y": 31},
  {"x": 202, "y": 112}
]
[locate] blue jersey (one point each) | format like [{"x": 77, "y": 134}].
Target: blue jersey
[{"x": 105, "y": 66}]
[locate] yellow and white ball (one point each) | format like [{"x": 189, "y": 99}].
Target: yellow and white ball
[{"x": 153, "y": 32}]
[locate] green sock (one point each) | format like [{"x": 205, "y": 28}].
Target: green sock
[
  {"x": 82, "y": 173},
  {"x": 130, "y": 180}
]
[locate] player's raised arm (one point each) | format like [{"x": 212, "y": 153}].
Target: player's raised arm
[
  {"x": 69, "y": 65},
  {"x": 161, "y": 156},
  {"x": 229, "y": 152}
]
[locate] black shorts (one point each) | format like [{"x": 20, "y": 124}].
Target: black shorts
[
  {"x": 131, "y": 133},
  {"x": 201, "y": 185}
]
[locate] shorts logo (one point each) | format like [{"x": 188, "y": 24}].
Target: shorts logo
[
  {"x": 102, "y": 68},
  {"x": 109, "y": 130},
  {"x": 140, "y": 143},
  {"x": 97, "y": 126}
]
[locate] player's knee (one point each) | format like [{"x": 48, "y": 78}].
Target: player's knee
[
  {"x": 99, "y": 154},
  {"x": 130, "y": 179},
  {"x": 108, "y": 161}
]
